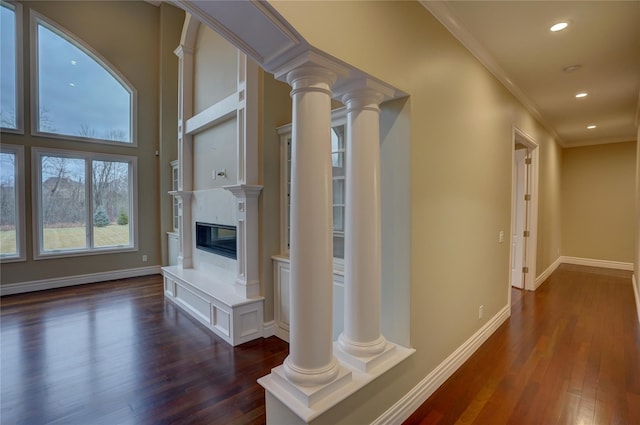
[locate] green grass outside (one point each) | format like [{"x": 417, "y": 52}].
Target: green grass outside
[
  {"x": 8, "y": 241},
  {"x": 71, "y": 238}
]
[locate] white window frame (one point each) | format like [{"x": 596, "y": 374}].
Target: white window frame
[
  {"x": 17, "y": 8},
  {"x": 35, "y": 19},
  {"x": 338, "y": 118},
  {"x": 21, "y": 239},
  {"x": 38, "y": 251}
]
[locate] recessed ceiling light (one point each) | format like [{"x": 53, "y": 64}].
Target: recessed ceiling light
[
  {"x": 591, "y": 127},
  {"x": 579, "y": 95},
  {"x": 74, "y": 63},
  {"x": 559, "y": 26},
  {"x": 72, "y": 85}
]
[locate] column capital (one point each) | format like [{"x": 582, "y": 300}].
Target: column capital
[
  {"x": 363, "y": 91},
  {"x": 311, "y": 78},
  {"x": 311, "y": 64}
]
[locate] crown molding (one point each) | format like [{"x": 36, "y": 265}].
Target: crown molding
[
  {"x": 609, "y": 141},
  {"x": 447, "y": 17}
]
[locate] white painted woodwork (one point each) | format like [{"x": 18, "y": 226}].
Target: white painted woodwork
[
  {"x": 531, "y": 207},
  {"x": 518, "y": 226},
  {"x": 173, "y": 242},
  {"x": 361, "y": 336},
  {"x": 222, "y": 293},
  {"x": 248, "y": 93},
  {"x": 310, "y": 381},
  {"x": 311, "y": 361},
  {"x": 234, "y": 318},
  {"x": 185, "y": 154},
  {"x": 247, "y": 282},
  {"x": 282, "y": 302},
  {"x": 213, "y": 115}
]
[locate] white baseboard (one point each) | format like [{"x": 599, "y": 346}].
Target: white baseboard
[
  {"x": 408, "y": 404},
  {"x": 545, "y": 274},
  {"x": 636, "y": 293},
  {"x": 60, "y": 282},
  {"x": 597, "y": 263},
  {"x": 268, "y": 329}
]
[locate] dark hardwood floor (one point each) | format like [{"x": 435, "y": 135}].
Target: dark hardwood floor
[
  {"x": 117, "y": 353},
  {"x": 569, "y": 354}
]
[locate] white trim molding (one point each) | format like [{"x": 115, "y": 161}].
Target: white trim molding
[
  {"x": 401, "y": 410},
  {"x": 545, "y": 274},
  {"x": 607, "y": 264},
  {"x": 636, "y": 294},
  {"x": 448, "y": 18},
  {"x": 61, "y": 282},
  {"x": 268, "y": 329}
]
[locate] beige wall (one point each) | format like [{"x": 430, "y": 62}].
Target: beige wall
[
  {"x": 598, "y": 202},
  {"x": 637, "y": 259},
  {"x": 171, "y": 20},
  {"x": 461, "y": 138},
  {"x": 127, "y": 35},
  {"x": 549, "y": 204}
]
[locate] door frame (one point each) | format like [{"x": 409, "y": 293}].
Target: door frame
[{"x": 531, "y": 208}]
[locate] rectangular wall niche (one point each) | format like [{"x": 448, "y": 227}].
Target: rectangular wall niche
[{"x": 217, "y": 238}]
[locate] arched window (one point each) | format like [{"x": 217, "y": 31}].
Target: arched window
[
  {"x": 78, "y": 95},
  {"x": 10, "y": 67}
]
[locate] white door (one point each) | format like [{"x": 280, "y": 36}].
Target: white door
[{"x": 519, "y": 208}]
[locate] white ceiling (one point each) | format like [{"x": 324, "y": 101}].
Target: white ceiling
[{"x": 513, "y": 40}]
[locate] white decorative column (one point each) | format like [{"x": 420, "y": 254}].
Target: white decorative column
[
  {"x": 311, "y": 372},
  {"x": 247, "y": 237},
  {"x": 185, "y": 155},
  {"x": 310, "y": 361},
  {"x": 361, "y": 340}
]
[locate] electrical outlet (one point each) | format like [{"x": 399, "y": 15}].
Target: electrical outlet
[
  {"x": 480, "y": 312},
  {"x": 501, "y": 236},
  {"x": 213, "y": 174},
  {"x": 144, "y": 258}
]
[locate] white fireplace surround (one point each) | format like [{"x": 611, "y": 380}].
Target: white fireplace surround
[{"x": 221, "y": 293}]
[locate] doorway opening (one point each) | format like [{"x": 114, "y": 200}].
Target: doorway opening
[{"x": 524, "y": 211}]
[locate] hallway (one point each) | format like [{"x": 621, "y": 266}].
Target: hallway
[{"x": 569, "y": 354}]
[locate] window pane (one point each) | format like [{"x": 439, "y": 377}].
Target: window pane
[
  {"x": 8, "y": 211},
  {"x": 338, "y": 218},
  {"x": 63, "y": 203},
  {"x": 8, "y": 82},
  {"x": 338, "y": 191},
  {"x": 338, "y": 246},
  {"x": 77, "y": 95},
  {"x": 111, "y": 203}
]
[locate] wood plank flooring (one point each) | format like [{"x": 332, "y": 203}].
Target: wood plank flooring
[
  {"x": 569, "y": 354},
  {"x": 118, "y": 353}
]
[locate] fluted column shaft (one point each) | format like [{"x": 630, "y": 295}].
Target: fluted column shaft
[
  {"x": 310, "y": 361},
  {"x": 362, "y": 335}
]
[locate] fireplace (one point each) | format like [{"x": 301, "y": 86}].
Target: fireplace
[{"x": 216, "y": 238}]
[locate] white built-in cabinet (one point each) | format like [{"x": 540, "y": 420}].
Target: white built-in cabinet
[
  {"x": 281, "y": 269},
  {"x": 281, "y": 264},
  {"x": 173, "y": 237}
]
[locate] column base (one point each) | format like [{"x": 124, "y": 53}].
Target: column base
[
  {"x": 307, "y": 399},
  {"x": 286, "y": 400},
  {"x": 363, "y": 363},
  {"x": 359, "y": 349}
]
